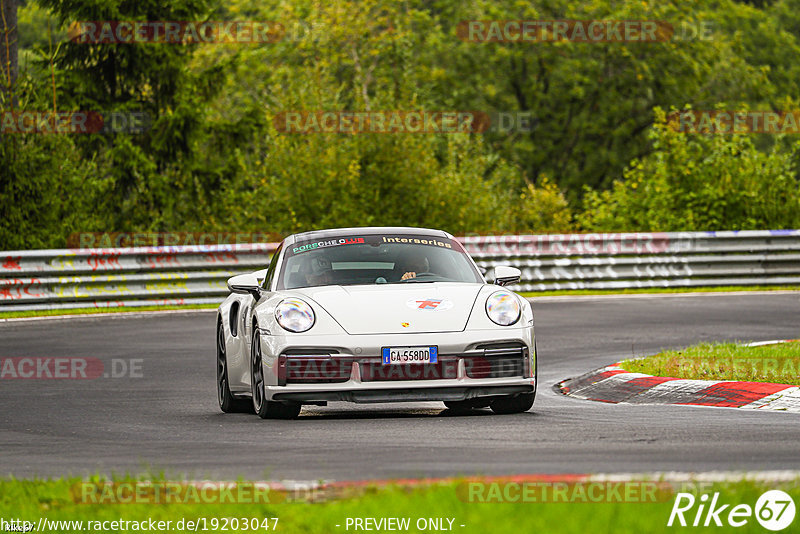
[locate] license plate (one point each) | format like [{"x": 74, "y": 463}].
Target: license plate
[{"x": 407, "y": 355}]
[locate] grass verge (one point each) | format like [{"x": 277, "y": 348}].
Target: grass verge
[
  {"x": 84, "y": 311},
  {"x": 595, "y": 510},
  {"x": 725, "y": 361},
  {"x": 656, "y": 290}
]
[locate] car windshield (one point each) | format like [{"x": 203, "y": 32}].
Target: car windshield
[{"x": 375, "y": 259}]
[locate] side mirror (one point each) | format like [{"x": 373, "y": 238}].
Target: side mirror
[
  {"x": 260, "y": 275},
  {"x": 246, "y": 284},
  {"x": 503, "y": 275}
]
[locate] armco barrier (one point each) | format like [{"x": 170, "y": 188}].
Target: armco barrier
[
  {"x": 114, "y": 277},
  {"x": 636, "y": 260},
  {"x": 51, "y": 279}
]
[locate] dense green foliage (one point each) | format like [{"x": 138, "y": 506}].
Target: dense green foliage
[
  {"x": 598, "y": 157},
  {"x": 699, "y": 182}
]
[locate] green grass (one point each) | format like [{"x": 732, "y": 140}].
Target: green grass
[
  {"x": 725, "y": 361},
  {"x": 56, "y": 500},
  {"x": 657, "y": 290},
  {"x": 83, "y": 311}
]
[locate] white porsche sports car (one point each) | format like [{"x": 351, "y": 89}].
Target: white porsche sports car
[{"x": 372, "y": 315}]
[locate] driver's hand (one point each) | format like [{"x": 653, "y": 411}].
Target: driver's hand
[{"x": 409, "y": 275}]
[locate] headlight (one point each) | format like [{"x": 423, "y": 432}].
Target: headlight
[
  {"x": 503, "y": 308},
  {"x": 294, "y": 315}
]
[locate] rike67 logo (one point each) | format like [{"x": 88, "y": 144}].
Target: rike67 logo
[{"x": 774, "y": 511}]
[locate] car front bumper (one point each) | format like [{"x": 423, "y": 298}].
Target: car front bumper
[{"x": 472, "y": 364}]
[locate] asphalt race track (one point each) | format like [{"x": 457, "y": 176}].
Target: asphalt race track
[{"x": 169, "y": 420}]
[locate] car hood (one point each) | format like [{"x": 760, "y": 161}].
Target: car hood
[{"x": 397, "y": 308}]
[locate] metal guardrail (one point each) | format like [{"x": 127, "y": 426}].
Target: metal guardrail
[
  {"x": 645, "y": 260},
  {"x": 116, "y": 277},
  {"x": 147, "y": 276}
]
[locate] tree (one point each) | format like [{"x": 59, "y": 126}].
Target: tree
[
  {"x": 593, "y": 102},
  {"x": 151, "y": 172},
  {"x": 8, "y": 52},
  {"x": 699, "y": 182}
]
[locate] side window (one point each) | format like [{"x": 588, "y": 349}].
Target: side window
[{"x": 271, "y": 270}]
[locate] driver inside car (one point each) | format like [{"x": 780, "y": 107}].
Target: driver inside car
[
  {"x": 321, "y": 272},
  {"x": 414, "y": 265}
]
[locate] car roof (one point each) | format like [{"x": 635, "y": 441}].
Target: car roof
[{"x": 365, "y": 230}]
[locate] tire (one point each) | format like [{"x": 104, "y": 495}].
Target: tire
[
  {"x": 227, "y": 402},
  {"x": 535, "y": 369},
  {"x": 264, "y": 408},
  {"x": 522, "y": 402},
  {"x": 513, "y": 404}
]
